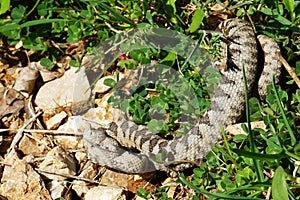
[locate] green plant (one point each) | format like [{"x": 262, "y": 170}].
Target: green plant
[
  {"x": 4, "y": 6},
  {"x": 245, "y": 167}
]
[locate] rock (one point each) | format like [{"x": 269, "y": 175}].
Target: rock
[
  {"x": 21, "y": 181},
  {"x": 56, "y": 120},
  {"x": 100, "y": 87},
  {"x": 59, "y": 164},
  {"x": 11, "y": 102},
  {"x": 26, "y": 80},
  {"x": 129, "y": 181},
  {"x": 113, "y": 178},
  {"x": 103, "y": 115},
  {"x": 59, "y": 189},
  {"x": 104, "y": 112},
  {"x": 70, "y": 89},
  {"x": 80, "y": 156},
  {"x": 80, "y": 187},
  {"x": 29, "y": 146},
  {"x": 89, "y": 171},
  {"x": 47, "y": 75},
  {"x": 236, "y": 129},
  {"x": 69, "y": 141},
  {"x": 104, "y": 192}
]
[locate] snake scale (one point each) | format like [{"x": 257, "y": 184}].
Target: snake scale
[{"x": 240, "y": 47}]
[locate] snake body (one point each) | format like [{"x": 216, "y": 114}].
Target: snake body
[{"x": 239, "y": 49}]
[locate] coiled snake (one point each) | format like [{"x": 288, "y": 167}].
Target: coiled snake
[{"x": 240, "y": 48}]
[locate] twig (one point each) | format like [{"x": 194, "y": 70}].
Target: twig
[
  {"x": 19, "y": 134},
  {"x": 32, "y": 111},
  {"x": 289, "y": 70},
  {"x": 40, "y": 131},
  {"x": 38, "y": 141},
  {"x": 112, "y": 28},
  {"x": 67, "y": 176}
]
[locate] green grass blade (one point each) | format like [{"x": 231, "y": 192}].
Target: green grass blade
[
  {"x": 33, "y": 8},
  {"x": 251, "y": 137},
  {"x": 116, "y": 14},
  {"x": 290, "y": 6},
  {"x": 226, "y": 142},
  {"x": 281, "y": 19},
  {"x": 10, "y": 27},
  {"x": 292, "y": 155},
  {"x": 216, "y": 195},
  {"x": 279, "y": 103},
  {"x": 259, "y": 156}
]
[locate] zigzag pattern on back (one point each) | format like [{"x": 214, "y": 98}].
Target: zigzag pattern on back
[{"x": 239, "y": 50}]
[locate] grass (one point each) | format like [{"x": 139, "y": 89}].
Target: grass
[{"x": 245, "y": 167}]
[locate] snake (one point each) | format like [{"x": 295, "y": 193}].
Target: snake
[{"x": 131, "y": 148}]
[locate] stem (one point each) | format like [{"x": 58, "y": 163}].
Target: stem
[{"x": 250, "y": 133}]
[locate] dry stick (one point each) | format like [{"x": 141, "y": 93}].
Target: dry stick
[
  {"x": 67, "y": 176},
  {"x": 38, "y": 141},
  {"x": 19, "y": 134},
  {"x": 40, "y": 131},
  {"x": 112, "y": 28},
  {"x": 289, "y": 70},
  {"x": 32, "y": 111}
]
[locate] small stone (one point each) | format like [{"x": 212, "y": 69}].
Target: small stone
[
  {"x": 69, "y": 141},
  {"x": 113, "y": 178},
  {"x": 58, "y": 161},
  {"x": 104, "y": 192},
  {"x": 26, "y": 80},
  {"x": 80, "y": 187},
  {"x": 59, "y": 189},
  {"x": 236, "y": 129},
  {"x": 56, "y": 120},
  {"x": 100, "y": 87},
  {"x": 47, "y": 75},
  {"x": 89, "y": 171},
  {"x": 80, "y": 156},
  {"x": 104, "y": 114},
  {"x": 30, "y": 146}
]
